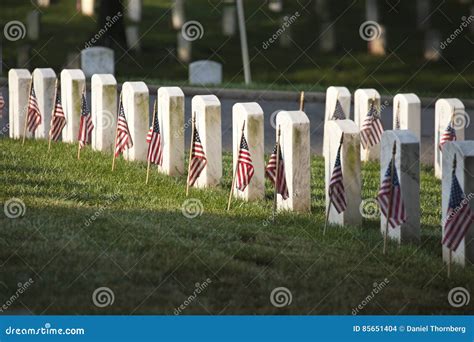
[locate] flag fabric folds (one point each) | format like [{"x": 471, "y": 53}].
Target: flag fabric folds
[
  {"x": 33, "y": 119},
  {"x": 271, "y": 173},
  {"x": 123, "y": 140},
  {"x": 155, "y": 150},
  {"x": 58, "y": 121},
  {"x": 198, "y": 159},
  {"x": 459, "y": 216},
  {"x": 390, "y": 192},
  {"x": 86, "y": 126},
  {"x": 372, "y": 129},
  {"x": 337, "y": 193},
  {"x": 245, "y": 169},
  {"x": 338, "y": 112},
  {"x": 449, "y": 134}
]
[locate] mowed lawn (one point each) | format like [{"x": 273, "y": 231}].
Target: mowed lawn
[{"x": 85, "y": 227}]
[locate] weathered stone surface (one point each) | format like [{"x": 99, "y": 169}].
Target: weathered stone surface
[
  {"x": 73, "y": 83},
  {"x": 407, "y": 107},
  {"x": 44, "y": 80},
  {"x": 205, "y": 72},
  {"x": 362, "y": 99},
  {"x": 104, "y": 111},
  {"x": 19, "y": 81},
  {"x": 97, "y": 60}
]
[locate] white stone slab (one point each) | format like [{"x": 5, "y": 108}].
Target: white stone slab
[
  {"x": 252, "y": 113},
  {"x": 362, "y": 98},
  {"x": 433, "y": 45},
  {"x": 205, "y": 72},
  {"x": 295, "y": 149},
  {"x": 407, "y": 162},
  {"x": 178, "y": 14},
  {"x": 44, "y": 81},
  {"x": 135, "y": 97},
  {"x": 19, "y": 81},
  {"x": 184, "y": 48},
  {"x": 104, "y": 111},
  {"x": 229, "y": 20},
  {"x": 327, "y": 41},
  {"x": 134, "y": 10},
  {"x": 409, "y": 113},
  {"x": 207, "y": 109},
  {"x": 87, "y": 7},
  {"x": 43, "y": 3},
  {"x": 275, "y": 5},
  {"x": 171, "y": 119},
  {"x": 73, "y": 83},
  {"x": 377, "y": 45},
  {"x": 33, "y": 20},
  {"x": 351, "y": 170},
  {"x": 443, "y": 112},
  {"x": 97, "y": 60},
  {"x": 132, "y": 35},
  {"x": 464, "y": 151}
]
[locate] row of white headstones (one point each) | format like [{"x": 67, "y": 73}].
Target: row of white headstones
[{"x": 295, "y": 141}]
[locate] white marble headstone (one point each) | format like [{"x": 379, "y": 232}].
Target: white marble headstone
[
  {"x": 229, "y": 20},
  {"x": 178, "y": 14},
  {"x": 351, "y": 170},
  {"x": 33, "y": 20},
  {"x": 44, "y": 80},
  {"x": 464, "y": 151},
  {"x": 19, "y": 81},
  {"x": 407, "y": 107},
  {"x": 134, "y": 10},
  {"x": 443, "y": 112},
  {"x": 362, "y": 100},
  {"x": 295, "y": 149},
  {"x": 87, "y": 7},
  {"x": 73, "y": 83},
  {"x": 332, "y": 95},
  {"x": 252, "y": 114},
  {"x": 184, "y": 49},
  {"x": 207, "y": 109},
  {"x": 97, "y": 60},
  {"x": 104, "y": 111},
  {"x": 205, "y": 72},
  {"x": 407, "y": 162}
]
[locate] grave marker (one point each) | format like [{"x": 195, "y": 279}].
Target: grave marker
[
  {"x": 407, "y": 113},
  {"x": 44, "y": 80},
  {"x": 205, "y": 72},
  {"x": 104, "y": 111},
  {"x": 19, "y": 81},
  {"x": 73, "y": 83},
  {"x": 97, "y": 60},
  {"x": 362, "y": 103}
]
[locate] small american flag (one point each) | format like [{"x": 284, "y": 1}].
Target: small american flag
[
  {"x": 198, "y": 159},
  {"x": 59, "y": 119},
  {"x": 86, "y": 127},
  {"x": 459, "y": 216},
  {"x": 338, "y": 112},
  {"x": 270, "y": 171},
  {"x": 124, "y": 139},
  {"x": 391, "y": 185},
  {"x": 372, "y": 129},
  {"x": 33, "y": 119},
  {"x": 245, "y": 169},
  {"x": 397, "y": 118},
  {"x": 449, "y": 134},
  {"x": 337, "y": 193},
  {"x": 155, "y": 151}
]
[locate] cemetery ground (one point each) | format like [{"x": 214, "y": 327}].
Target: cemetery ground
[
  {"x": 85, "y": 227},
  {"x": 302, "y": 66}
]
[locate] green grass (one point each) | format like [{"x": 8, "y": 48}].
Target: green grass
[
  {"x": 303, "y": 66},
  {"x": 142, "y": 247}
]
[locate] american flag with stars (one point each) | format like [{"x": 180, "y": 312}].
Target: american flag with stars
[
  {"x": 124, "y": 139},
  {"x": 391, "y": 186},
  {"x": 155, "y": 150},
  {"x": 271, "y": 172},
  {"x": 372, "y": 129},
  {"x": 459, "y": 216},
  {"x": 33, "y": 119},
  {"x": 338, "y": 112},
  {"x": 198, "y": 159},
  {"x": 245, "y": 168},
  {"x": 59, "y": 119},
  {"x": 337, "y": 193},
  {"x": 449, "y": 134},
  {"x": 86, "y": 127}
]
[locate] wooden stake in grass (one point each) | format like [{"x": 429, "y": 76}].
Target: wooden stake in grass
[
  {"x": 193, "y": 124},
  {"x": 330, "y": 198},
  {"x": 52, "y": 113},
  {"x": 277, "y": 164},
  {"x": 302, "y": 101},
  {"x": 115, "y": 140},
  {"x": 149, "y": 162},
  {"x": 390, "y": 198},
  {"x": 27, "y": 108},
  {"x": 235, "y": 169}
]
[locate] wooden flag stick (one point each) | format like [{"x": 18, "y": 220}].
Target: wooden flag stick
[
  {"x": 302, "y": 101},
  {"x": 390, "y": 199},
  {"x": 52, "y": 113},
  {"x": 27, "y": 109},
  {"x": 116, "y": 134},
  {"x": 277, "y": 164},
  {"x": 193, "y": 124},
  {"x": 152, "y": 125},
  {"x": 330, "y": 198},
  {"x": 235, "y": 169}
]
